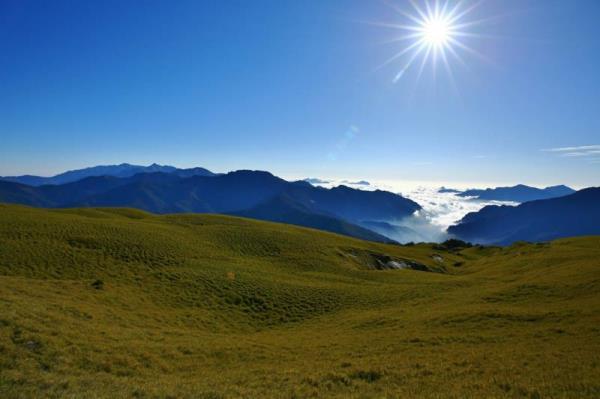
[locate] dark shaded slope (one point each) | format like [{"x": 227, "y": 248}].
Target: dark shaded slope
[
  {"x": 235, "y": 191},
  {"x": 574, "y": 215},
  {"x": 153, "y": 192},
  {"x": 243, "y": 190},
  {"x": 76, "y": 192},
  {"x": 17, "y": 193},
  {"x": 401, "y": 234},
  {"x": 284, "y": 209},
  {"x": 354, "y": 205}
]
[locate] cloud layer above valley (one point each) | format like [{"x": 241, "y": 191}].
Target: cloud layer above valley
[{"x": 440, "y": 210}]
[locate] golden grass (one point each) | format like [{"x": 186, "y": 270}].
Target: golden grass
[{"x": 107, "y": 303}]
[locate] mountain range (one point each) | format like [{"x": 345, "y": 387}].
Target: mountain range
[
  {"x": 122, "y": 170},
  {"x": 542, "y": 220},
  {"x": 254, "y": 194},
  {"x": 518, "y": 193},
  {"x": 544, "y": 214}
]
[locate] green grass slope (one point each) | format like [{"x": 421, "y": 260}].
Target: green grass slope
[{"x": 110, "y": 303}]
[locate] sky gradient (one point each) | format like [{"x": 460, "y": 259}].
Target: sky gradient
[{"x": 294, "y": 87}]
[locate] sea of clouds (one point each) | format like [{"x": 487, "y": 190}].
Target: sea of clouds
[{"x": 440, "y": 209}]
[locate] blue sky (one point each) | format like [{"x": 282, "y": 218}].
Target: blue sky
[{"x": 294, "y": 87}]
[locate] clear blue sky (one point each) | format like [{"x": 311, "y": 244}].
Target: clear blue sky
[{"x": 293, "y": 87}]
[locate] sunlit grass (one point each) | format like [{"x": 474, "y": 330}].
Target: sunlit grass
[{"x": 120, "y": 303}]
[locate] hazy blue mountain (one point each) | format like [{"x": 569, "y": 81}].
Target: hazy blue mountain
[
  {"x": 284, "y": 209},
  {"x": 572, "y": 215},
  {"x": 353, "y": 205},
  {"x": 193, "y": 172},
  {"x": 153, "y": 192},
  {"x": 122, "y": 170},
  {"x": 518, "y": 193},
  {"x": 251, "y": 193},
  {"x": 17, "y": 193},
  {"x": 398, "y": 233},
  {"x": 244, "y": 189},
  {"x": 167, "y": 193}
]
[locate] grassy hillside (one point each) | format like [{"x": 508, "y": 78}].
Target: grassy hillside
[{"x": 120, "y": 303}]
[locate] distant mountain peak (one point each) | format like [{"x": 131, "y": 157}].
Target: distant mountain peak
[
  {"x": 120, "y": 170},
  {"x": 518, "y": 193},
  {"x": 559, "y": 187}
]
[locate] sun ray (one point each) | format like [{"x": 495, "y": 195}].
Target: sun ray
[
  {"x": 434, "y": 62},
  {"x": 430, "y": 13},
  {"x": 392, "y": 26},
  {"x": 463, "y": 46},
  {"x": 410, "y": 61},
  {"x": 465, "y": 12},
  {"x": 400, "y": 54},
  {"x": 450, "y": 74},
  {"x": 479, "y": 35},
  {"x": 457, "y": 56},
  {"x": 402, "y": 38},
  {"x": 423, "y": 63},
  {"x": 454, "y": 10},
  {"x": 402, "y": 12},
  {"x": 483, "y": 20},
  {"x": 419, "y": 11},
  {"x": 445, "y": 8}
]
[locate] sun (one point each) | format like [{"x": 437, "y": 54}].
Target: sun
[{"x": 436, "y": 32}]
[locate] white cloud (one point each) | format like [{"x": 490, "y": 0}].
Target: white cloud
[
  {"x": 440, "y": 210},
  {"x": 356, "y": 183},
  {"x": 445, "y": 209},
  {"x": 589, "y": 152},
  {"x": 316, "y": 181},
  {"x": 582, "y": 148}
]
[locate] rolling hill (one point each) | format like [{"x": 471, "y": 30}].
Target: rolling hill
[
  {"x": 573, "y": 215},
  {"x": 120, "y": 303}
]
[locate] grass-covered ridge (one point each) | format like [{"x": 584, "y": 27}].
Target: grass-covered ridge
[{"x": 122, "y": 303}]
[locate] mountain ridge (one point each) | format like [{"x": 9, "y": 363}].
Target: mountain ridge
[
  {"x": 518, "y": 193},
  {"x": 120, "y": 170},
  {"x": 577, "y": 214},
  {"x": 339, "y": 209}
]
